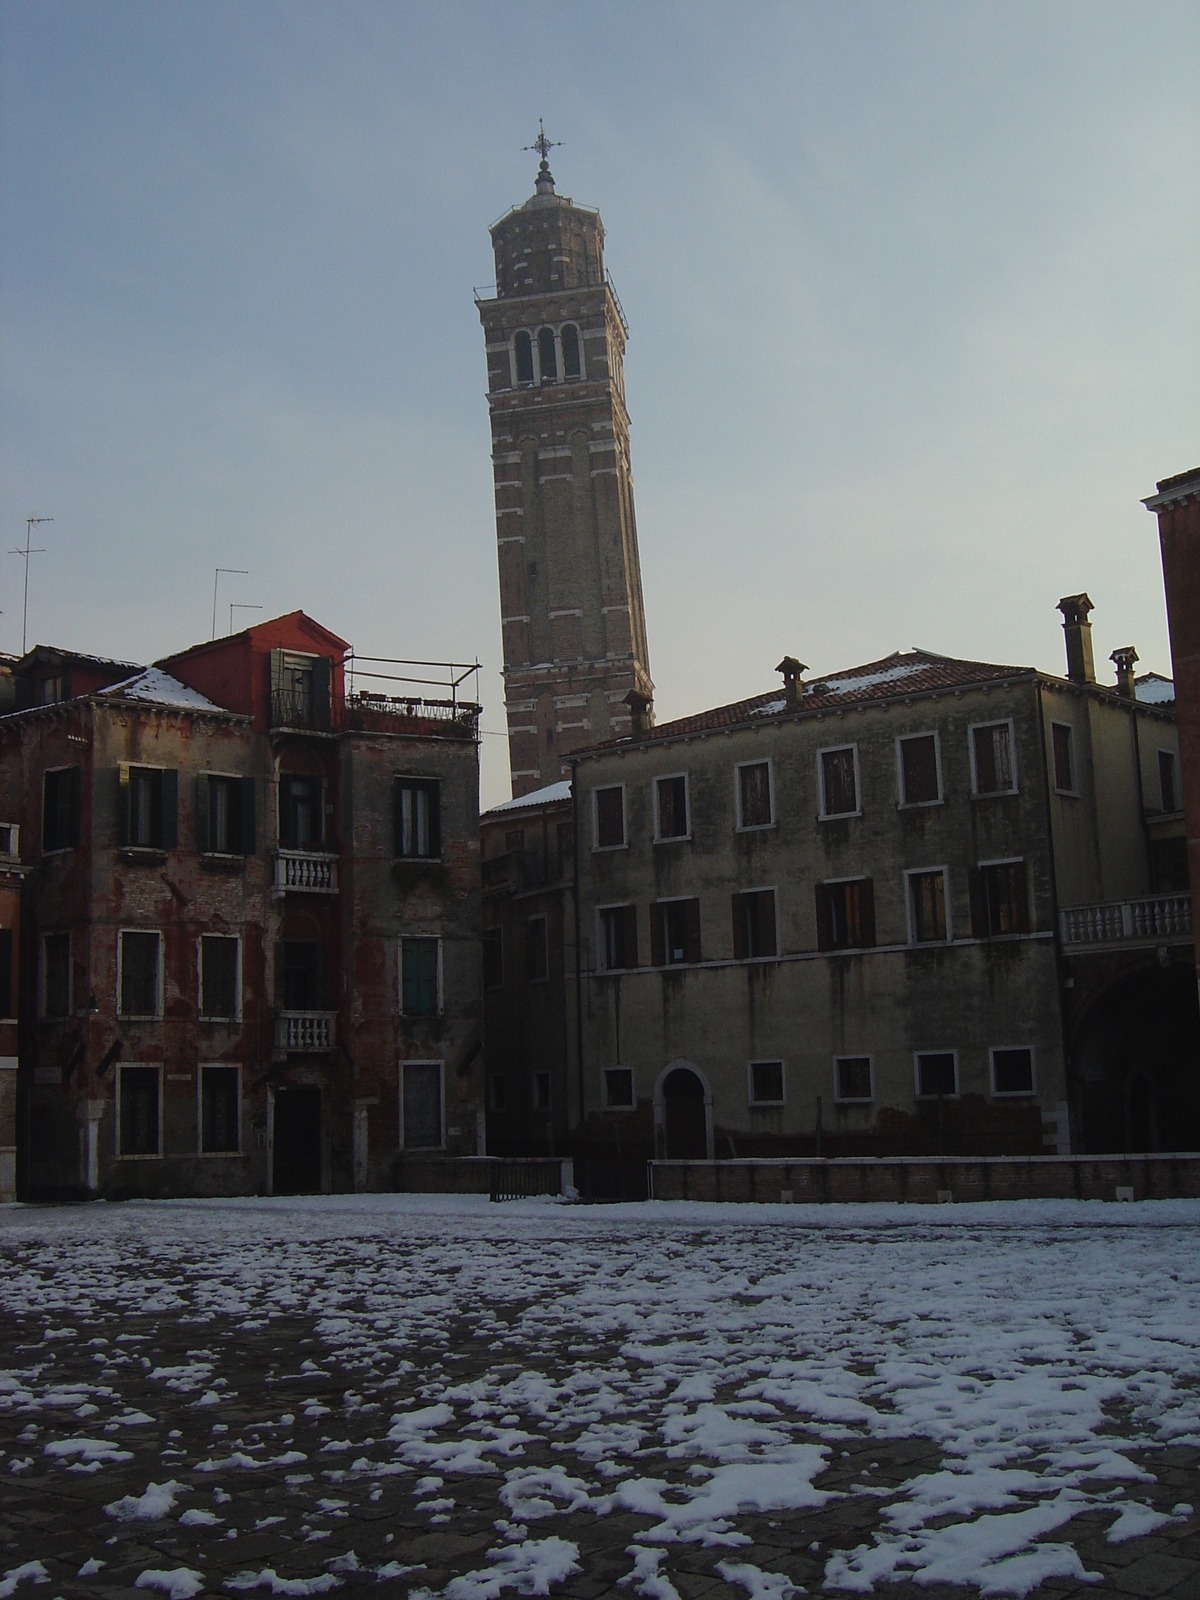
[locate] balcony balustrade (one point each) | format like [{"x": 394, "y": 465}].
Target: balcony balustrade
[
  {"x": 306, "y": 872},
  {"x": 305, "y": 1031},
  {"x": 1155, "y": 919}
]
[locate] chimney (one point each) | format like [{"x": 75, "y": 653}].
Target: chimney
[
  {"x": 1081, "y": 668},
  {"x": 1124, "y": 659},
  {"x": 641, "y": 707},
  {"x": 793, "y": 682}
]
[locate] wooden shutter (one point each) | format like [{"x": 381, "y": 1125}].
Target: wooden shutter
[
  {"x": 435, "y": 819},
  {"x": 169, "y": 808},
  {"x": 766, "y": 923},
  {"x": 740, "y": 945},
  {"x": 1021, "y": 893},
  {"x": 691, "y": 931},
  {"x": 202, "y": 844},
  {"x": 247, "y": 840},
  {"x": 277, "y": 713},
  {"x": 658, "y": 952},
  {"x": 630, "y": 921},
  {"x": 287, "y": 817},
  {"x": 322, "y": 675},
  {"x": 867, "y": 911},
  {"x": 824, "y": 917},
  {"x": 123, "y": 803},
  {"x": 979, "y": 910}
]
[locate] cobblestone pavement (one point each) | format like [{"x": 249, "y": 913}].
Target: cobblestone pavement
[{"x": 445, "y": 1397}]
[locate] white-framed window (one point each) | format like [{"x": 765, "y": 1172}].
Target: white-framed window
[
  {"x": 672, "y": 818},
  {"x": 936, "y": 1073},
  {"x": 422, "y": 1105},
  {"x": 219, "y": 1108},
  {"x": 608, "y": 817},
  {"x": 420, "y": 975},
  {"x": 541, "y": 1091},
  {"x": 838, "y": 781},
  {"x": 537, "y": 950},
  {"x": 993, "y": 751},
  {"x": 225, "y": 814},
  {"x": 928, "y": 901},
  {"x": 54, "y": 977},
  {"x": 139, "y": 1109},
  {"x": 919, "y": 769},
  {"x": 1168, "y": 780},
  {"x": 764, "y": 1083},
  {"x": 755, "y": 924},
  {"x": 617, "y": 1086},
  {"x": 219, "y": 969},
  {"x": 616, "y": 937},
  {"x": 1002, "y": 899},
  {"x": 1012, "y": 1070},
  {"x": 754, "y": 794},
  {"x": 674, "y": 932},
  {"x": 1062, "y": 739},
  {"x": 853, "y": 1080},
  {"x": 417, "y": 819},
  {"x": 139, "y": 974},
  {"x": 10, "y": 839}
]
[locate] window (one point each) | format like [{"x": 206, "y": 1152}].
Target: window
[
  {"x": 838, "y": 774},
  {"x": 609, "y": 816},
  {"x": 547, "y": 355},
  {"x": 846, "y": 914},
  {"x": 139, "y": 974},
  {"x": 1000, "y": 903},
  {"x": 754, "y": 795},
  {"x": 219, "y": 986},
  {"x": 992, "y": 759},
  {"x": 766, "y": 1083},
  {"x": 537, "y": 955},
  {"x": 220, "y": 1111},
  {"x": 852, "y": 1079},
  {"x": 139, "y": 1111},
  {"x": 56, "y": 975},
  {"x": 1063, "y": 736},
  {"x": 225, "y": 813},
  {"x": 60, "y": 809},
  {"x": 920, "y": 773},
  {"x": 496, "y": 1092},
  {"x": 1166, "y": 780},
  {"x": 10, "y": 837},
  {"x": 570, "y": 348},
  {"x": 618, "y": 937},
  {"x": 300, "y": 974},
  {"x": 6, "y": 972},
  {"x": 1012, "y": 1071},
  {"x": 421, "y": 1106},
  {"x": 146, "y": 807},
  {"x": 418, "y": 819},
  {"x": 674, "y": 932},
  {"x": 927, "y": 907},
  {"x": 754, "y": 925},
  {"x": 301, "y": 690},
  {"x": 420, "y": 977},
  {"x": 671, "y": 807},
  {"x": 514, "y": 841},
  {"x": 541, "y": 1091},
  {"x": 523, "y": 352},
  {"x": 493, "y": 958},
  {"x": 301, "y": 813},
  {"x": 1169, "y": 866},
  {"x": 937, "y": 1073},
  {"x": 618, "y": 1088}
]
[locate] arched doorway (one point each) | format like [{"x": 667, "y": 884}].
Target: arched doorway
[{"x": 683, "y": 1114}]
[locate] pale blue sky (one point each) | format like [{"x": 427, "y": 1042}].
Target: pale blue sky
[{"x": 912, "y": 291}]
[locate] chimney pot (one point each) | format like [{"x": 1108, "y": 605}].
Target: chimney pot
[
  {"x": 641, "y": 714},
  {"x": 1081, "y": 666},
  {"x": 1124, "y": 659},
  {"x": 793, "y": 680}
]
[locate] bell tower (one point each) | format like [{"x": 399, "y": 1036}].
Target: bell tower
[{"x": 570, "y": 579}]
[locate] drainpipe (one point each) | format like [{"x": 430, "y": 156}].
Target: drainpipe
[
  {"x": 1059, "y": 959},
  {"x": 578, "y": 951}
]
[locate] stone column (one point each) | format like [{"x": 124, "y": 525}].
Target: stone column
[{"x": 90, "y": 1113}]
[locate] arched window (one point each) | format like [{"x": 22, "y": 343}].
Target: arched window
[
  {"x": 570, "y": 347},
  {"x": 523, "y": 345},
  {"x": 547, "y": 355}
]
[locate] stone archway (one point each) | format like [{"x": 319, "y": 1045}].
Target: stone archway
[{"x": 683, "y": 1121}]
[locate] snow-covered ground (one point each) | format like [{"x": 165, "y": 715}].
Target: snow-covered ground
[{"x": 859, "y": 1393}]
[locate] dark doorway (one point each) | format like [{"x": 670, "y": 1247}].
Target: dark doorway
[
  {"x": 297, "y": 1155},
  {"x": 686, "y": 1125}
]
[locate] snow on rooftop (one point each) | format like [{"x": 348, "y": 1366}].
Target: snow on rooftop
[
  {"x": 156, "y": 687},
  {"x": 867, "y": 680},
  {"x": 1154, "y": 690},
  {"x": 537, "y": 797}
]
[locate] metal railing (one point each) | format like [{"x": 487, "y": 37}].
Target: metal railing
[
  {"x": 519, "y": 1180},
  {"x": 308, "y": 874},
  {"x": 305, "y": 1031},
  {"x": 1156, "y": 917}
]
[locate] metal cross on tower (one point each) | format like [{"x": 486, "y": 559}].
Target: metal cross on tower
[{"x": 541, "y": 144}]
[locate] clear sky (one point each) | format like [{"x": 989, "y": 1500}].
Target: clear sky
[{"x": 912, "y": 291}]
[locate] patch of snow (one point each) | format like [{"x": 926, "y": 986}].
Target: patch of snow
[
  {"x": 866, "y": 680},
  {"x": 760, "y": 1585},
  {"x": 90, "y": 1567},
  {"x": 177, "y": 1583},
  {"x": 1154, "y": 690},
  {"x": 159, "y": 688},
  {"x": 157, "y": 1501},
  {"x": 197, "y": 1518},
  {"x": 270, "y": 1580},
  {"x": 34, "y": 1571},
  {"x": 552, "y": 793},
  {"x": 530, "y": 1568}
]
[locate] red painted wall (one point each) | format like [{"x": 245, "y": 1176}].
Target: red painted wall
[{"x": 236, "y": 672}]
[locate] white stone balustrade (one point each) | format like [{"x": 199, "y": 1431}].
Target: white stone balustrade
[
  {"x": 1156, "y": 917},
  {"x": 305, "y": 1031},
  {"x": 305, "y": 872}
]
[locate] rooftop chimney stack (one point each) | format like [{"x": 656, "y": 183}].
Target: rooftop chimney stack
[
  {"x": 1081, "y": 667},
  {"x": 1124, "y": 659},
  {"x": 640, "y": 714},
  {"x": 793, "y": 680}
]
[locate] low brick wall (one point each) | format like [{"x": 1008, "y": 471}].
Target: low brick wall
[{"x": 924, "y": 1180}]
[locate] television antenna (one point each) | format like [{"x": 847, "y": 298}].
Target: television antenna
[
  {"x": 217, "y": 571},
  {"x": 30, "y": 524},
  {"x": 239, "y": 606}
]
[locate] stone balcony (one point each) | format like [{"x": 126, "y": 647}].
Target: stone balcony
[
  {"x": 1153, "y": 919},
  {"x": 305, "y": 1032},
  {"x": 305, "y": 872}
]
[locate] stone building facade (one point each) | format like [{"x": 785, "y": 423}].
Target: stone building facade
[
  {"x": 573, "y": 621},
  {"x": 252, "y": 925},
  {"x": 887, "y": 912}
]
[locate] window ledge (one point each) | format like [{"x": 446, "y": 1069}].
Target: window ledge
[
  {"x": 1068, "y": 794},
  {"x": 755, "y": 827},
  {"x": 669, "y": 838},
  {"x": 123, "y": 1016},
  {"x": 767, "y": 1105},
  {"x": 838, "y": 816},
  {"x": 853, "y": 1102},
  {"x": 136, "y": 855},
  {"x": 1014, "y": 1094},
  {"x": 214, "y": 861},
  {"x": 993, "y": 794},
  {"x": 149, "y": 1155},
  {"x": 220, "y": 1022},
  {"x": 604, "y": 849},
  {"x": 920, "y": 805}
]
